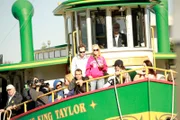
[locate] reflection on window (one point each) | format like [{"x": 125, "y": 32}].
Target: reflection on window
[
  {"x": 51, "y": 54},
  {"x": 83, "y": 28},
  {"x": 40, "y": 56},
  {"x": 57, "y": 53},
  {"x": 98, "y": 18},
  {"x": 37, "y": 56},
  {"x": 138, "y": 27},
  {"x": 46, "y": 56},
  {"x": 119, "y": 28},
  {"x": 63, "y": 53}
]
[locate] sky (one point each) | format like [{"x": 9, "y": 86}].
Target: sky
[{"x": 46, "y": 27}]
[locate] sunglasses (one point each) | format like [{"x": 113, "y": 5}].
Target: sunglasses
[
  {"x": 58, "y": 85},
  {"x": 96, "y": 50},
  {"x": 82, "y": 51}
]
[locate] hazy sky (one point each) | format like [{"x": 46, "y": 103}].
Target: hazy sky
[{"x": 46, "y": 27}]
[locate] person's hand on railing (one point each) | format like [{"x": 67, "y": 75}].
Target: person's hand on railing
[
  {"x": 59, "y": 97},
  {"x": 2, "y": 110},
  {"x": 90, "y": 77},
  {"x": 79, "y": 82}
]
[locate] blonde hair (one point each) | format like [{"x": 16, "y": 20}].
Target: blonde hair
[
  {"x": 96, "y": 45},
  {"x": 69, "y": 77}
]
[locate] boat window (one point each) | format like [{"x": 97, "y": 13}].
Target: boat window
[
  {"x": 98, "y": 19},
  {"x": 46, "y": 56},
  {"x": 138, "y": 27},
  {"x": 83, "y": 28},
  {"x": 119, "y": 28},
  {"x": 57, "y": 54},
  {"x": 51, "y": 54}
]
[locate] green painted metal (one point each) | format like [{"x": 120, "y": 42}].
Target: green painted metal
[
  {"x": 134, "y": 99},
  {"x": 84, "y": 4},
  {"x": 33, "y": 64},
  {"x": 23, "y": 11},
  {"x": 161, "y": 11},
  {"x": 165, "y": 56}
]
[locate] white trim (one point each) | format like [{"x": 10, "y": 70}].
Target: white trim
[
  {"x": 109, "y": 28},
  {"x": 89, "y": 34},
  {"x": 129, "y": 28}
]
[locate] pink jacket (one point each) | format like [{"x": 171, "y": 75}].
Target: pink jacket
[{"x": 92, "y": 68}]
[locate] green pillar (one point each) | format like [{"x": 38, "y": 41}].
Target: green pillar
[
  {"x": 162, "y": 26},
  {"x": 23, "y": 11}
]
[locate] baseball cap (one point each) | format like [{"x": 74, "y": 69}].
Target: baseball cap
[
  {"x": 10, "y": 86},
  {"x": 118, "y": 63}
]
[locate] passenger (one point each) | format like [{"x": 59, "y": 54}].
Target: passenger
[
  {"x": 26, "y": 96},
  {"x": 58, "y": 84},
  {"x": 80, "y": 61},
  {"x": 14, "y": 98},
  {"x": 96, "y": 67},
  {"x": 34, "y": 92},
  {"x": 119, "y": 67},
  {"x": 119, "y": 39},
  {"x": 151, "y": 72},
  {"x": 78, "y": 83},
  {"x": 68, "y": 78}
]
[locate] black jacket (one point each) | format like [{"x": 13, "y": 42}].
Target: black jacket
[
  {"x": 78, "y": 89},
  {"x": 16, "y": 99},
  {"x": 122, "y": 40}
]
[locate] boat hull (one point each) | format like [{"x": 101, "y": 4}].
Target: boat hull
[{"x": 140, "y": 100}]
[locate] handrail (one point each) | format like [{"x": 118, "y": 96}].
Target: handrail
[
  {"x": 154, "y": 59},
  {"x": 74, "y": 42},
  {"x": 8, "y": 116},
  {"x": 87, "y": 82}
]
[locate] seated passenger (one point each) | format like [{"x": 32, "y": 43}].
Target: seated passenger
[
  {"x": 119, "y": 39},
  {"x": 78, "y": 83},
  {"x": 151, "y": 72},
  {"x": 68, "y": 78},
  {"x": 58, "y": 84},
  {"x": 14, "y": 98},
  {"x": 119, "y": 67}
]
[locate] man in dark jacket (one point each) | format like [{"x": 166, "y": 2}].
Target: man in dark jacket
[
  {"x": 78, "y": 83},
  {"x": 119, "y": 39},
  {"x": 14, "y": 98}
]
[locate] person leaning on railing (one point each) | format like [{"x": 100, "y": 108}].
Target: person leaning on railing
[
  {"x": 119, "y": 67},
  {"x": 67, "y": 79},
  {"x": 151, "y": 72},
  {"x": 34, "y": 92},
  {"x": 14, "y": 98},
  {"x": 78, "y": 83},
  {"x": 58, "y": 84}
]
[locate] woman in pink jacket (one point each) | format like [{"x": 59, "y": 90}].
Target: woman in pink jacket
[{"x": 96, "y": 66}]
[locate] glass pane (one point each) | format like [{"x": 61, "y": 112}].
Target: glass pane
[
  {"x": 119, "y": 28},
  {"x": 36, "y": 56},
  {"x": 51, "y": 54},
  {"x": 46, "y": 56},
  {"x": 98, "y": 18},
  {"x": 57, "y": 53},
  {"x": 138, "y": 27},
  {"x": 83, "y": 28},
  {"x": 40, "y": 56}
]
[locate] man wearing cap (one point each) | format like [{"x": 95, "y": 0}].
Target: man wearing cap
[
  {"x": 14, "y": 98},
  {"x": 119, "y": 67}
]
